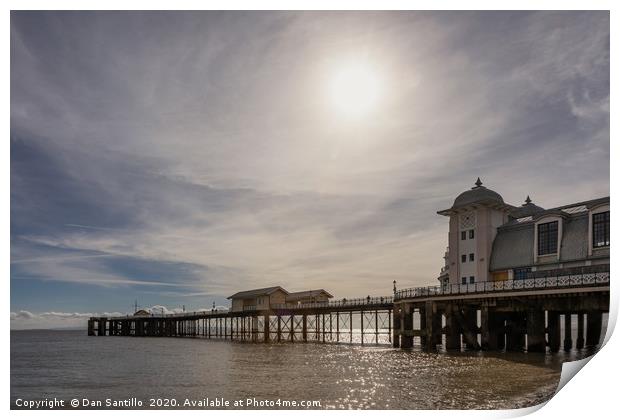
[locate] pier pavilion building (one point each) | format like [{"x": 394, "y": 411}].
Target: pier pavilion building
[
  {"x": 308, "y": 297},
  {"x": 490, "y": 240},
  {"x": 275, "y": 297}
]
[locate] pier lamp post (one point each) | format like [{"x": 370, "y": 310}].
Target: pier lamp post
[{"x": 394, "y": 288}]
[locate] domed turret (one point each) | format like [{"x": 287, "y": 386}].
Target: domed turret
[
  {"x": 478, "y": 194},
  {"x": 526, "y": 209},
  {"x": 475, "y": 216}
]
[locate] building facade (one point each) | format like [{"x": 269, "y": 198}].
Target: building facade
[
  {"x": 258, "y": 299},
  {"x": 275, "y": 297},
  {"x": 490, "y": 240},
  {"x": 308, "y": 296}
]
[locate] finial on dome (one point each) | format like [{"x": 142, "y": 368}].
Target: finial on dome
[
  {"x": 478, "y": 182},
  {"x": 528, "y": 200}
]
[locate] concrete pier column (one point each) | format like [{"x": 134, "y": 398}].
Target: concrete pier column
[
  {"x": 396, "y": 327},
  {"x": 553, "y": 331},
  {"x": 432, "y": 322},
  {"x": 406, "y": 337},
  {"x": 491, "y": 328},
  {"x": 497, "y": 331},
  {"x": 91, "y": 327},
  {"x": 580, "y": 337},
  {"x": 568, "y": 332},
  {"x": 536, "y": 330},
  {"x": 515, "y": 337},
  {"x": 594, "y": 328},
  {"x": 453, "y": 336},
  {"x": 470, "y": 329}
]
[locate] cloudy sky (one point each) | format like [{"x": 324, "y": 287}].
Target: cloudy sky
[{"x": 178, "y": 157}]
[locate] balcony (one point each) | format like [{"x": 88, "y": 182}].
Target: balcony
[{"x": 540, "y": 283}]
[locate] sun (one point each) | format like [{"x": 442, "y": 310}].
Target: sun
[{"x": 354, "y": 90}]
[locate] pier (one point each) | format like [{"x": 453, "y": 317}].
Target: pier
[
  {"x": 514, "y": 279},
  {"x": 360, "y": 321},
  {"x": 509, "y": 315},
  {"x": 513, "y": 315}
]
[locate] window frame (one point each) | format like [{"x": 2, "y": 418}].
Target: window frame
[
  {"x": 605, "y": 229},
  {"x": 544, "y": 238}
]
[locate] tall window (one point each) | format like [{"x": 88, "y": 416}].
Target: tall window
[
  {"x": 472, "y": 279},
  {"x": 471, "y": 234},
  {"x": 600, "y": 229},
  {"x": 548, "y": 238},
  {"x": 463, "y": 235},
  {"x": 463, "y": 258},
  {"x": 471, "y": 257},
  {"x": 463, "y": 280}
]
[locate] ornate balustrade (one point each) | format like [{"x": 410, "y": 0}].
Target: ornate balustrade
[{"x": 557, "y": 282}]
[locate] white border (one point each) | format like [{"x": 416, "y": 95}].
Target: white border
[{"x": 591, "y": 395}]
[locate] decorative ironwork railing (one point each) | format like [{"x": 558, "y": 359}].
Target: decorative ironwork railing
[
  {"x": 568, "y": 281},
  {"x": 341, "y": 303}
]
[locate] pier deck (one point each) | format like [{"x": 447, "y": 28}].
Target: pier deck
[
  {"x": 363, "y": 321},
  {"x": 508, "y": 315}
]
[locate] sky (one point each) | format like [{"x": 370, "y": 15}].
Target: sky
[{"x": 178, "y": 157}]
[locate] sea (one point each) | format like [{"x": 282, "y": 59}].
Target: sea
[{"x": 48, "y": 366}]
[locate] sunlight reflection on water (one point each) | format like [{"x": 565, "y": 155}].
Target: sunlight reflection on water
[{"x": 68, "y": 364}]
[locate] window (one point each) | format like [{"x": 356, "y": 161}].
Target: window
[
  {"x": 600, "y": 229},
  {"x": 463, "y": 280},
  {"x": 548, "y": 238},
  {"x": 463, "y": 258},
  {"x": 471, "y": 234},
  {"x": 463, "y": 235},
  {"x": 472, "y": 279},
  {"x": 471, "y": 257},
  {"x": 522, "y": 273}
]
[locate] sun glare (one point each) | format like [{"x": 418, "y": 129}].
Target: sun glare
[{"x": 354, "y": 90}]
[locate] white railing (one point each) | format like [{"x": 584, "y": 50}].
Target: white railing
[{"x": 568, "y": 281}]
